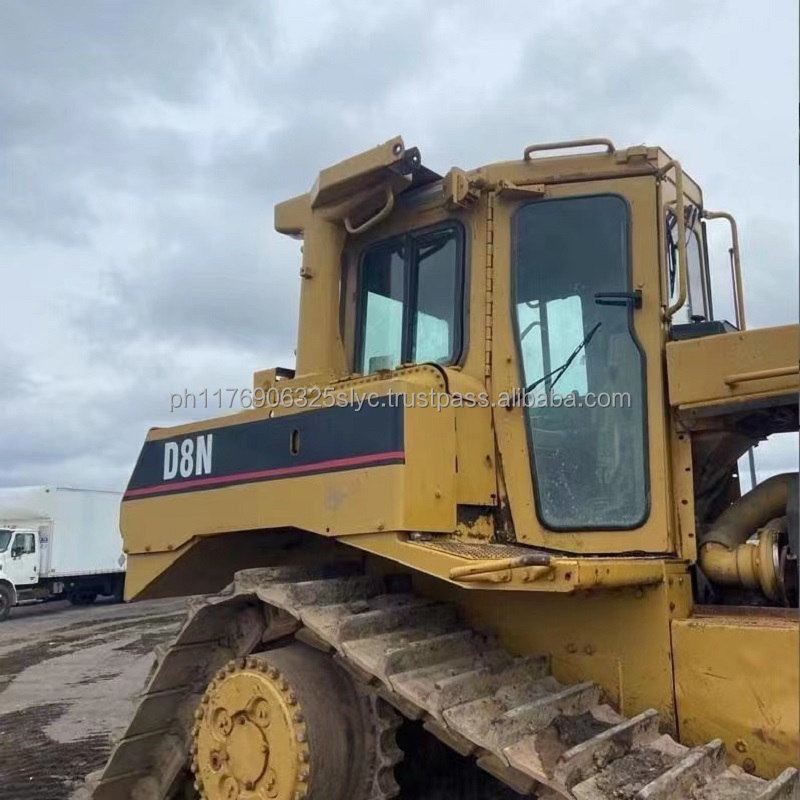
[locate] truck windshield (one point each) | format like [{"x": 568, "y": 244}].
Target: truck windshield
[
  {"x": 588, "y": 442},
  {"x": 5, "y": 538}
]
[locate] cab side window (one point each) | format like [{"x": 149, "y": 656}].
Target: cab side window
[
  {"x": 411, "y": 300},
  {"x": 24, "y": 543}
]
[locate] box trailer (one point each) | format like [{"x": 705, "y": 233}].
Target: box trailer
[{"x": 58, "y": 542}]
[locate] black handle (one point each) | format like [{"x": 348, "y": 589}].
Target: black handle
[{"x": 633, "y": 299}]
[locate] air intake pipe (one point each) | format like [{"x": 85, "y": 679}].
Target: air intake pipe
[{"x": 726, "y": 557}]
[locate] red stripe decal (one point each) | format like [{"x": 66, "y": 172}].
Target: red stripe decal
[{"x": 333, "y": 464}]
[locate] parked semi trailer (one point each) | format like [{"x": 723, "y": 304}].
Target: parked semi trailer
[{"x": 56, "y": 543}]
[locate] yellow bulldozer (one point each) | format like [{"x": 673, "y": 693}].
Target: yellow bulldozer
[{"x": 487, "y": 538}]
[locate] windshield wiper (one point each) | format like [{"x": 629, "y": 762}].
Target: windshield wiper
[{"x": 566, "y": 365}]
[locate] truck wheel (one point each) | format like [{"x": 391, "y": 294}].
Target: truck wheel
[
  {"x": 82, "y": 598},
  {"x": 6, "y": 601}
]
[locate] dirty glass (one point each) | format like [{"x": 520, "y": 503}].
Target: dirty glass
[{"x": 589, "y": 462}]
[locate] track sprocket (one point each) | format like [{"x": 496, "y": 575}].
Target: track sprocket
[{"x": 290, "y": 724}]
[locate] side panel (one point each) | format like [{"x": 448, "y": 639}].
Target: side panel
[
  {"x": 760, "y": 363},
  {"x": 85, "y": 532},
  {"x": 737, "y": 678},
  {"x": 378, "y": 469}
]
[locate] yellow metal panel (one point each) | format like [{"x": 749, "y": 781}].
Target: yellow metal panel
[
  {"x": 292, "y": 216},
  {"x": 734, "y": 366},
  {"x": 329, "y": 504},
  {"x": 356, "y": 173},
  {"x": 737, "y": 678},
  {"x": 428, "y": 488},
  {"x": 476, "y": 482},
  {"x": 419, "y": 495},
  {"x": 319, "y": 343},
  {"x": 682, "y": 482},
  {"x": 142, "y": 570}
]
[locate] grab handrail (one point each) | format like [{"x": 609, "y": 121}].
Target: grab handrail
[
  {"x": 683, "y": 266},
  {"x": 568, "y": 145},
  {"x": 736, "y": 265}
]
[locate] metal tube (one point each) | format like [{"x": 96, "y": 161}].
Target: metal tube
[
  {"x": 736, "y": 313},
  {"x": 750, "y": 512},
  {"x": 500, "y": 564},
  {"x": 761, "y": 374},
  {"x": 736, "y": 265},
  {"x": 683, "y": 267},
  {"x": 568, "y": 145},
  {"x": 751, "y": 459}
]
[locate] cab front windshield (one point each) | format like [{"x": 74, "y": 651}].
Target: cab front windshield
[{"x": 5, "y": 538}]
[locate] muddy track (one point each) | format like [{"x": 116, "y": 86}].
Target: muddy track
[{"x": 532, "y": 733}]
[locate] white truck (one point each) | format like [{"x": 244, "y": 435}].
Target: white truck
[{"x": 59, "y": 543}]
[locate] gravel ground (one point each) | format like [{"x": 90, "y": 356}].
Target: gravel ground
[{"x": 68, "y": 683}]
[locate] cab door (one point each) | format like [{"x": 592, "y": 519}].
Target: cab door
[
  {"x": 577, "y": 351},
  {"x": 23, "y": 565}
]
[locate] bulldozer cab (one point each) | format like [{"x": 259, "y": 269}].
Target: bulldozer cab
[{"x": 552, "y": 284}]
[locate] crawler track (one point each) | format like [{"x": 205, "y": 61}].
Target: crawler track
[{"x": 538, "y": 736}]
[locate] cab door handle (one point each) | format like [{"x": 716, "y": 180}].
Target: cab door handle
[{"x": 633, "y": 299}]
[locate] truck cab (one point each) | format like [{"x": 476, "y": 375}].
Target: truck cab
[{"x": 19, "y": 563}]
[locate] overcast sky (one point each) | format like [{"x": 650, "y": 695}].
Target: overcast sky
[{"x": 143, "y": 146}]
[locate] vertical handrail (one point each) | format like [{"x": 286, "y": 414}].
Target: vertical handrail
[
  {"x": 683, "y": 267},
  {"x": 736, "y": 265}
]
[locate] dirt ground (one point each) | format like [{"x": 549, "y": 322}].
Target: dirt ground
[
  {"x": 68, "y": 682},
  {"x": 69, "y": 678}
]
